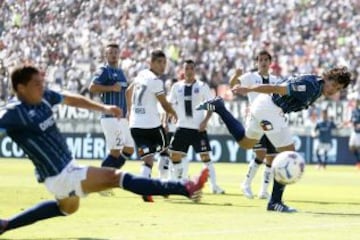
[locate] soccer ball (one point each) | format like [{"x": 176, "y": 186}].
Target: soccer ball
[{"x": 288, "y": 167}]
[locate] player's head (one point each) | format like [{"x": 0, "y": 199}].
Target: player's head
[
  {"x": 28, "y": 84},
  {"x": 324, "y": 114},
  {"x": 263, "y": 61},
  {"x": 335, "y": 79},
  {"x": 158, "y": 62},
  {"x": 189, "y": 70},
  {"x": 112, "y": 52}
]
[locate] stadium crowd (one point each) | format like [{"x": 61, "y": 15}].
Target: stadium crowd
[{"x": 66, "y": 37}]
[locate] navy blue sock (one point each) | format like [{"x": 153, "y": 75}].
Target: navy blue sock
[
  {"x": 111, "y": 161},
  {"x": 44, "y": 210},
  {"x": 148, "y": 186},
  {"x": 277, "y": 192},
  {"x": 235, "y": 128}
]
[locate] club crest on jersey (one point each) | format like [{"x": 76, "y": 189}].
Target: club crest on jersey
[
  {"x": 196, "y": 90},
  {"x": 299, "y": 88},
  {"x": 32, "y": 113}
]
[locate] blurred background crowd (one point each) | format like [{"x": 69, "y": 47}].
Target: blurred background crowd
[{"x": 66, "y": 37}]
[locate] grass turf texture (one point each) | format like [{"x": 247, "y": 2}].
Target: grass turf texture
[{"x": 328, "y": 201}]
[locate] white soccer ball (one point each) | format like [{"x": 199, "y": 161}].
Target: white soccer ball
[{"x": 288, "y": 167}]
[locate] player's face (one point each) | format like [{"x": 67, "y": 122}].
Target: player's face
[
  {"x": 158, "y": 66},
  {"x": 189, "y": 71},
  {"x": 331, "y": 87},
  {"x": 33, "y": 91},
  {"x": 263, "y": 63},
  {"x": 112, "y": 55}
]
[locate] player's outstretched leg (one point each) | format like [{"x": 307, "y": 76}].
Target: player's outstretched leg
[
  {"x": 216, "y": 104},
  {"x": 147, "y": 186},
  {"x": 44, "y": 210},
  {"x": 275, "y": 203}
]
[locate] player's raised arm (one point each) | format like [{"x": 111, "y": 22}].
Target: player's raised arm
[
  {"x": 234, "y": 79},
  {"x": 79, "y": 101}
]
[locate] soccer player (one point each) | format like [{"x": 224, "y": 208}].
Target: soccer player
[
  {"x": 191, "y": 125},
  {"x": 111, "y": 83},
  {"x": 264, "y": 149},
  {"x": 354, "y": 140},
  {"x": 267, "y": 114},
  {"x": 146, "y": 128},
  {"x": 29, "y": 121},
  {"x": 323, "y": 131}
]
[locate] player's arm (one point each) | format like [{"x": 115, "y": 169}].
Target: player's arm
[
  {"x": 98, "y": 88},
  {"x": 128, "y": 96},
  {"x": 262, "y": 88},
  {"x": 166, "y": 106},
  {"x": 234, "y": 79},
  {"x": 76, "y": 100}
]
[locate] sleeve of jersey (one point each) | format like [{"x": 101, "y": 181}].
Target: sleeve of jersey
[
  {"x": 300, "y": 90},
  {"x": 157, "y": 87},
  {"x": 53, "y": 97},
  {"x": 100, "y": 76},
  {"x": 171, "y": 96},
  {"x": 245, "y": 80},
  {"x": 207, "y": 92},
  {"x": 8, "y": 119}
]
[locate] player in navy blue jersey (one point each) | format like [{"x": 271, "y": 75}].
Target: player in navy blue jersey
[
  {"x": 323, "y": 131},
  {"x": 29, "y": 121},
  {"x": 267, "y": 114},
  {"x": 111, "y": 83},
  {"x": 354, "y": 140}
]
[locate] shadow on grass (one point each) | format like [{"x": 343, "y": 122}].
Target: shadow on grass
[
  {"x": 334, "y": 214},
  {"x": 325, "y": 202}
]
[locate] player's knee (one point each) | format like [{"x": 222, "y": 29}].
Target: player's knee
[{"x": 69, "y": 206}]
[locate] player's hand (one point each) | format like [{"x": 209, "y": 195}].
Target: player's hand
[
  {"x": 116, "y": 87},
  {"x": 238, "y": 72},
  {"x": 238, "y": 89},
  {"x": 173, "y": 117},
  {"x": 113, "y": 110}
]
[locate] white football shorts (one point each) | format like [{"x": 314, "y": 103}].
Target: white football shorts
[
  {"x": 354, "y": 140},
  {"x": 68, "y": 182},
  {"x": 117, "y": 133},
  {"x": 267, "y": 118}
]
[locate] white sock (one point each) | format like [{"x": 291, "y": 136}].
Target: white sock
[
  {"x": 252, "y": 169},
  {"x": 212, "y": 174},
  {"x": 177, "y": 171},
  {"x": 266, "y": 179},
  {"x": 163, "y": 167},
  {"x": 145, "y": 171},
  {"x": 185, "y": 164}
]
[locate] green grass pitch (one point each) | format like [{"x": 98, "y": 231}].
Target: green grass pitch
[{"x": 328, "y": 203}]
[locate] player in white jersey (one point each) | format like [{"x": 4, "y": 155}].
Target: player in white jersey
[
  {"x": 191, "y": 125},
  {"x": 142, "y": 97},
  {"x": 264, "y": 148}
]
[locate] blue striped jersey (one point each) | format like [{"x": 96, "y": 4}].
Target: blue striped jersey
[
  {"x": 108, "y": 76},
  {"x": 325, "y": 130},
  {"x": 355, "y": 119},
  {"x": 34, "y": 129},
  {"x": 303, "y": 91}
]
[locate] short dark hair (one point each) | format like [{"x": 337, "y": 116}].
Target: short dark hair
[
  {"x": 112, "y": 45},
  {"x": 341, "y": 75},
  {"x": 189, "y": 61},
  {"x": 22, "y": 75},
  {"x": 262, "y": 53},
  {"x": 157, "y": 54}
]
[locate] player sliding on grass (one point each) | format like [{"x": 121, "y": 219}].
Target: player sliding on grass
[{"x": 29, "y": 121}]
